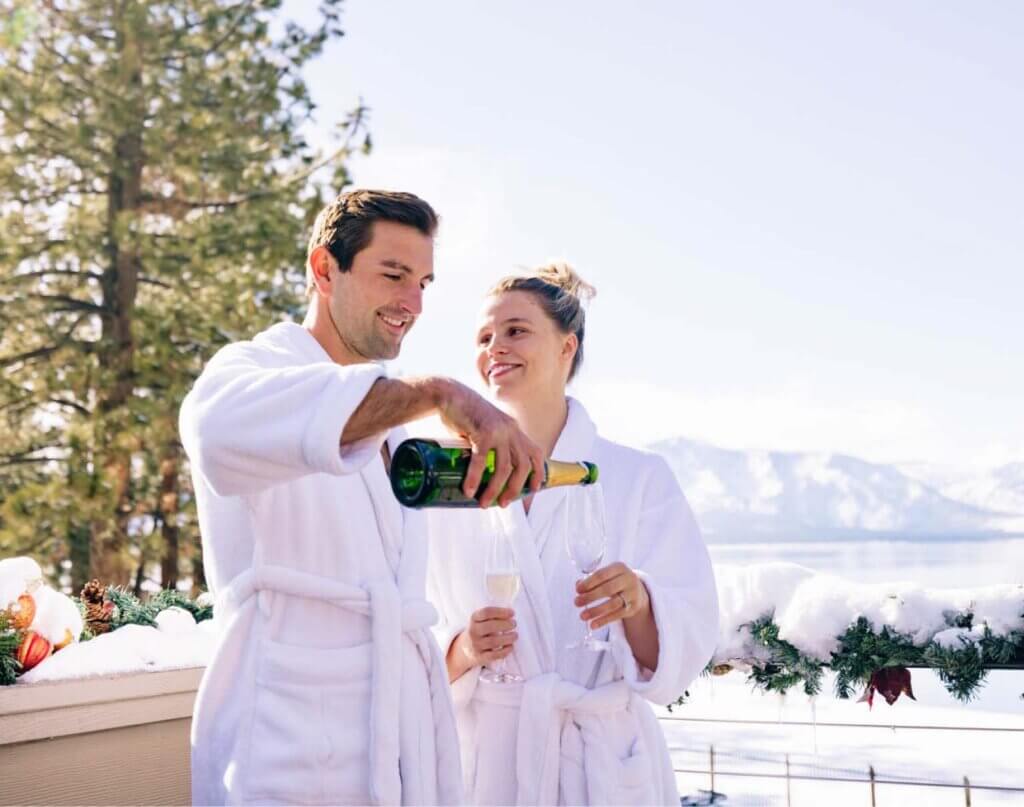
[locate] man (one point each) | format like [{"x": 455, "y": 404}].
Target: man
[{"x": 327, "y": 687}]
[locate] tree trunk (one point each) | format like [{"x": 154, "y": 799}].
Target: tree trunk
[
  {"x": 199, "y": 583},
  {"x": 169, "y": 472},
  {"x": 109, "y": 558}
]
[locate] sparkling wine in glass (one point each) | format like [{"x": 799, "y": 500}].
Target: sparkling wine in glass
[
  {"x": 501, "y": 579},
  {"x": 585, "y": 539}
]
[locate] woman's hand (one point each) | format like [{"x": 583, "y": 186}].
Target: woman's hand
[
  {"x": 624, "y": 593},
  {"x": 489, "y": 636},
  {"x": 625, "y": 597}
]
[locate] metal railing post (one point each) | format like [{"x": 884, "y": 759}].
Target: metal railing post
[
  {"x": 712, "y": 769},
  {"x": 967, "y": 791},
  {"x": 789, "y": 793},
  {"x": 871, "y": 775}
]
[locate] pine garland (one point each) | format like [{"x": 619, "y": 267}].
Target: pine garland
[
  {"x": 864, "y": 650},
  {"x": 127, "y": 610},
  {"x": 130, "y": 610},
  {"x": 786, "y": 666},
  {"x": 10, "y": 639}
]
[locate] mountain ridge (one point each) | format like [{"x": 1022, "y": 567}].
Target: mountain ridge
[{"x": 793, "y": 495}]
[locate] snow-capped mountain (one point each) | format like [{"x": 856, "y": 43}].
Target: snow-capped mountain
[
  {"x": 771, "y": 495},
  {"x": 1000, "y": 490}
]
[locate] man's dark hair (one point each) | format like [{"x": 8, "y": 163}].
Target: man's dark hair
[{"x": 345, "y": 226}]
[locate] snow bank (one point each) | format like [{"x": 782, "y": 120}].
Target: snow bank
[{"x": 177, "y": 642}]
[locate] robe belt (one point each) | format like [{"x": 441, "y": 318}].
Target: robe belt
[
  {"x": 390, "y": 617},
  {"x": 557, "y": 715}
]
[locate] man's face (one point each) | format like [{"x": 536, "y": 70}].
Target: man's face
[{"x": 376, "y": 302}]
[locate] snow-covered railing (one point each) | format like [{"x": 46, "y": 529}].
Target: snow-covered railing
[{"x": 785, "y": 625}]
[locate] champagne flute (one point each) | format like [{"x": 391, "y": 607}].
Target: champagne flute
[
  {"x": 585, "y": 539},
  {"x": 501, "y": 578}
]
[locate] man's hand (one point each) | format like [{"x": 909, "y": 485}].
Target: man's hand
[
  {"x": 488, "y": 637},
  {"x": 487, "y": 428}
]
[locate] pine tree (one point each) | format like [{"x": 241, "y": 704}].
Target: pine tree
[{"x": 155, "y": 186}]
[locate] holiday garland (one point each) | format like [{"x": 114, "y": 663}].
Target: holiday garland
[
  {"x": 876, "y": 659},
  {"x": 865, "y": 655},
  {"x": 102, "y": 609}
]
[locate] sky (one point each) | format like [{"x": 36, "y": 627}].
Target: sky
[{"x": 804, "y": 220}]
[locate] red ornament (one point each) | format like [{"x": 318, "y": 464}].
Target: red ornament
[
  {"x": 33, "y": 649},
  {"x": 891, "y": 682}
]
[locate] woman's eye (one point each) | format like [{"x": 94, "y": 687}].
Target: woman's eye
[
  {"x": 483, "y": 340},
  {"x": 515, "y": 331},
  {"x": 393, "y": 277}
]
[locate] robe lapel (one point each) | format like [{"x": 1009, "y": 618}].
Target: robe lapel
[
  {"x": 541, "y": 533},
  {"x": 548, "y": 512}
]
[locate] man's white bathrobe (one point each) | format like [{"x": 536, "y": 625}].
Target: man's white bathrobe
[
  {"x": 327, "y": 686},
  {"x": 580, "y": 730}
]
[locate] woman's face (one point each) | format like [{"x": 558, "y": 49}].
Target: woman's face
[{"x": 519, "y": 350}]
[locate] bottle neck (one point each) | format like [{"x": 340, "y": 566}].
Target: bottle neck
[{"x": 567, "y": 473}]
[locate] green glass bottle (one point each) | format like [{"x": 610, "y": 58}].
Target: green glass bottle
[{"x": 425, "y": 473}]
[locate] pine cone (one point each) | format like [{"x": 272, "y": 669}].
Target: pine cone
[
  {"x": 98, "y": 611},
  {"x": 93, "y": 593}
]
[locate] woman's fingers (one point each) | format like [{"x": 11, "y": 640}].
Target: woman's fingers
[
  {"x": 492, "y": 612},
  {"x": 608, "y": 611},
  {"x": 608, "y": 588},
  {"x": 496, "y": 641},
  {"x": 491, "y": 656}
]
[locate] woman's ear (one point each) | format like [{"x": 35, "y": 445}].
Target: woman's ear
[
  {"x": 321, "y": 262},
  {"x": 569, "y": 347}
]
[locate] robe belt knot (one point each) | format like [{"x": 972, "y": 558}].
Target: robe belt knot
[{"x": 556, "y": 716}]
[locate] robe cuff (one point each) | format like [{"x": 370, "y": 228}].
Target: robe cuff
[
  {"x": 652, "y": 685},
  {"x": 321, "y": 444}
]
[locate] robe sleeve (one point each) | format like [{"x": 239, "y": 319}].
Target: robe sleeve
[
  {"x": 671, "y": 559},
  {"x": 248, "y": 427}
]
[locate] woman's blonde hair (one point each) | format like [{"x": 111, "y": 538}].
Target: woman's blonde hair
[{"x": 562, "y": 293}]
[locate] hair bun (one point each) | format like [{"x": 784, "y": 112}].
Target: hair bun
[{"x": 561, "y": 274}]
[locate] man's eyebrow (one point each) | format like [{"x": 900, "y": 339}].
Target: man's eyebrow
[{"x": 391, "y": 263}]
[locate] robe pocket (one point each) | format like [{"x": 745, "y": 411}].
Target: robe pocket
[
  {"x": 636, "y": 780},
  {"x": 309, "y": 739}
]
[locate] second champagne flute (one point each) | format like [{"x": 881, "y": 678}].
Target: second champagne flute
[
  {"x": 585, "y": 539},
  {"x": 501, "y": 578}
]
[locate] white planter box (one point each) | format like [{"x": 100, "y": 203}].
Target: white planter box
[{"x": 107, "y": 740}]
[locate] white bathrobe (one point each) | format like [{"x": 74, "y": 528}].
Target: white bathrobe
[
  {"x": 327, "y": 686},
  {"x": 580, "y": 730}
]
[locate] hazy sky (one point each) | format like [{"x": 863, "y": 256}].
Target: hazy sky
[{"x": 805, "y": 221}]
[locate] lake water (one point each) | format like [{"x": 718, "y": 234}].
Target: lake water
[{"x": 942, "y": 564}]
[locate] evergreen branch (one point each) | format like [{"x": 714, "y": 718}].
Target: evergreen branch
[
  {"x": 43, "y": 352},
  {"x": 36, "y": 252},
  {"x": 71, "y": 303},
  {"x": 76, "y": 273}
]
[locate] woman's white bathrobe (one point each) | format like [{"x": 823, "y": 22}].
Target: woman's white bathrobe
[
  {"x": 327, "y": 686},
  {"x": 581, "y": 729}
]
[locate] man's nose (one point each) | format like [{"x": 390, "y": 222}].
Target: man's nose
[{"x": 412, "y": 302}]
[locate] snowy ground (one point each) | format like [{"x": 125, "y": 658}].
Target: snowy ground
[{"x": 882, "y": 738}]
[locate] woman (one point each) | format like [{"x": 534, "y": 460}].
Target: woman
[{"x": 580, "y": 729}]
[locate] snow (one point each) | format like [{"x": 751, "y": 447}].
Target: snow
[
  {"x": 812, "y": 609},
  {"x": 132, "y": 648},
  {"x": 884, "y": 738},
  {"x": 57, "y": 618},
  {"x": 18, "y": 576}
]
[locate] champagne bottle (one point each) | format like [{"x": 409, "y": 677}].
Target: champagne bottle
[{"x": 425, "y": 473}]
